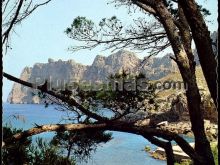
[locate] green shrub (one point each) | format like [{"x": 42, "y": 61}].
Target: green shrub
[
  {"x": 147, "y": 148},
  {"x": 214, "y": 147},
  {"x": 26, "y": 152}
]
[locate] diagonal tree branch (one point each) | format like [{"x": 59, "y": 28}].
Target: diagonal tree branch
[
  {"x": 146, "y": 132},
  {"x": 69, "y": 101}
]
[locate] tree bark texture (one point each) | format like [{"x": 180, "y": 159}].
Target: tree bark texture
[
  {"x": 188, "y": 74},
  {"x": 203, "y": 42}
]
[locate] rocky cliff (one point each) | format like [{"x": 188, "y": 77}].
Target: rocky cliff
[{"x": 59, "y": 73}]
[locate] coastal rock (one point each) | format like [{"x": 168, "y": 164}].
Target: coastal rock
[
  {"x": 57, "y": 73},
  {"x": 18, "y": 94},
  {"x": 179, "y": 154},
  {"x": 179, "y": 107},
  {"x": 184, "y": 127}
]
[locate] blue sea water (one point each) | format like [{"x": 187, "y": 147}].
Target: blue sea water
[{"x": 123, "y": 149}]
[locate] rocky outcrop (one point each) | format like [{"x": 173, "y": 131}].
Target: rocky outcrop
[
  {"x": 208, "y": 107},
  {"x": 182, "y": 124},
  {"x": 157, "y": 68},
  {"x": 154, "y": 68},
  {"x": 179, "y": 154},
  {"x": 179, "y": 107},
  {"x": 59, "y": 73},
  {"x": 19, "y": 93},
  {"x": 102, "y": 66}
]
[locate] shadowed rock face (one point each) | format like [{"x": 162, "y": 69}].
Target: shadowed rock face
[
  {"x": 18, "y": 92},
  {"x": 59, "y": 73}
]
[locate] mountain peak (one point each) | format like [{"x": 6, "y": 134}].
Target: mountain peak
[{"x": 124, "y": 52}]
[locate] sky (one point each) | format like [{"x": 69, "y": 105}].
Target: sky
[{"x": 41, "y": 35}]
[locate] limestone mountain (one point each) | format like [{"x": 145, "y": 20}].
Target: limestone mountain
[{"x": 58, "y": 73}]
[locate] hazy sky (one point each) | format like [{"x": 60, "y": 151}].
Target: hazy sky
[{"x": 41, "y": 36}]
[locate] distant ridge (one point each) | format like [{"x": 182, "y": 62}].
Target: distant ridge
[{"x": 101, "y": 68}]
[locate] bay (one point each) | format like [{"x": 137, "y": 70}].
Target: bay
[{"x": 124, "y": 148}]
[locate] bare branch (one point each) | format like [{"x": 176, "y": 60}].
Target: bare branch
[
  {"x": 6, "y": 33},
  {"x": 14, "y": 11},
  {"x": 28, "y": 12},
  {"x": 142, "y": 35}
]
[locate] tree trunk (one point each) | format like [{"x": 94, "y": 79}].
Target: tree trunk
[
  {"x": 166, "y": 146},
  {"x": 187, "y": 71},
  {"x": 169, "y": 154},
  {"x": 202, "y": 145},
  {"x": 186, "y": 37},
  {"x": 203, "y": 42}
]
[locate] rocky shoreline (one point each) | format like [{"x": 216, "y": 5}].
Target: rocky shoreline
[
  {"x": 184, "y": 127},
  {"x": 179, "y": 154}
]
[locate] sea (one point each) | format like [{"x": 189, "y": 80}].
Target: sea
[{"x": 123, "y": 149}]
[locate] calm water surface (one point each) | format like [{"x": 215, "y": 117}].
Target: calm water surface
[{"x": 123, "y": 149}]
